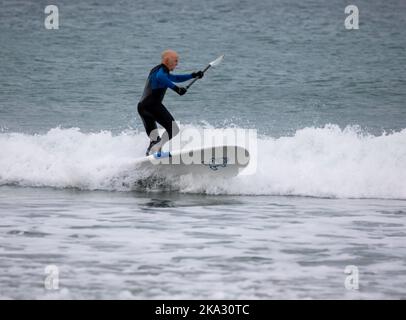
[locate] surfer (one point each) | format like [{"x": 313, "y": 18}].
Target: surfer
[{"x": 150, "y": 107}]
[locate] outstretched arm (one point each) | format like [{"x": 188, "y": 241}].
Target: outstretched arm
[
  {"x": 163, "y": 77},
  {"x": 180, "y": 77}
]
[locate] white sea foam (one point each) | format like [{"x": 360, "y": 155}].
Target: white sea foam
[{"x": 320, "y": 162}]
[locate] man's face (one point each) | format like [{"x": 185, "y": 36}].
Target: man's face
[{"x": 172, "y": 62}]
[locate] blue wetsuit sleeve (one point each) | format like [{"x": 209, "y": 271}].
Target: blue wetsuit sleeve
[
  {"x": 180, "y": 77},
  {"x": 163, "y": 77}
]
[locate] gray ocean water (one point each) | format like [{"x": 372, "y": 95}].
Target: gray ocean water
[{"x": 323, "y": 216}]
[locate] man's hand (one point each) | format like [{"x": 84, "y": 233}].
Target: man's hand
[
  {"x": 198, "y": 74},
  {"x": 180, "y": 90}
]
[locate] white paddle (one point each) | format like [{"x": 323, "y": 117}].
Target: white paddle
[{"x": 211, "y": 64}]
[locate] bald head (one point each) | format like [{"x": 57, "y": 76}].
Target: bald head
[{"x": 170, "y": 59}]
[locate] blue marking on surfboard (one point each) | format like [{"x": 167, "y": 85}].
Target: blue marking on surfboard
[
  {"x": 214, "y": 165},
  {"x": 162, "y": 154}
]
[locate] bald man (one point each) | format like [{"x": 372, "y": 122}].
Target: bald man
[{"x": 150, "y": 107}]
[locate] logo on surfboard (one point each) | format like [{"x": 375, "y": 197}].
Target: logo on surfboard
[{"x": 215, "y": 165}]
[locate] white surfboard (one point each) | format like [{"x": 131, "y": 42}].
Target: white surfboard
[{"x": 221, "y": 161}]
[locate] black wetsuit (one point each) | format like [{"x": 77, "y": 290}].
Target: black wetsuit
[{"x": 150, "y": 106}]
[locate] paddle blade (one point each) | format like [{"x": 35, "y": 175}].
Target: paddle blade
[{"x": 217, "y": 61}]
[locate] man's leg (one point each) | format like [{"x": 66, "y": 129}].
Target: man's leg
[
  {"x": 150, "y": 126},
  {"x": 165, "y": 119}
]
